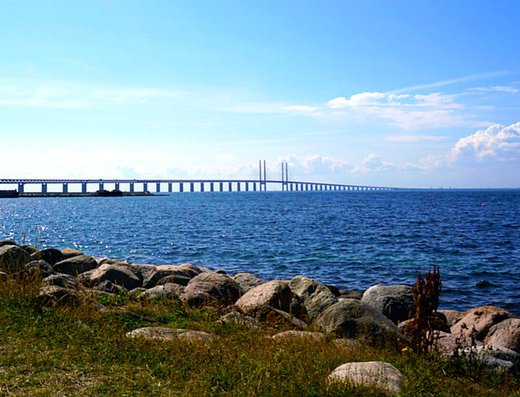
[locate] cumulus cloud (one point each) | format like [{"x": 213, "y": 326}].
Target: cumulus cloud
[
  {"x": 372, "y": 163},
  {"x": 406, "y": 111},
  {"x": 497, "y": 141}
]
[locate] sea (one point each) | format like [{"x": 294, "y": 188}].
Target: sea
[{"x": 352, "y": 240}]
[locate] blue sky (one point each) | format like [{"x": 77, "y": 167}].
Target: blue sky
[{"x": 401, "y": 93}]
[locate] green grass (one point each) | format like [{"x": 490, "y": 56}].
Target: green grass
[{"x": 82, "y": 351}]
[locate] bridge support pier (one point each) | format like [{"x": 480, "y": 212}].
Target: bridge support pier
[
  {"x": 132, "y": 187},
  {"x": 145, "y": 187},
  {"x": 84, "y": 187},
  {"x": 157, "y": 187},
  {"x": 212, "y": 187},
  {"x": 192, "y": 187},
  {"x": 221, "y": 186},
  {"x": 181, "y": 187},
  {"x": 202, "y": 186},
  {"x": 101, "y": 186},
  {"x": 117, "y": 186},
  {"x": 230, "y": 187},
  {"x": 20, "y": 187},
  {"x": 65, "y": 188},
  {"x": 44, "y": 188},
  {"x": 170, "y": 187},
  {"x": 238, "y": 186}
]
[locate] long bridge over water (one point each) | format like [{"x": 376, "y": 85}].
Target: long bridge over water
[{"x": 189, "y": 185}]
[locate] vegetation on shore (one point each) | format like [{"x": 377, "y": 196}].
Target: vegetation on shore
[{"x": 80, "y": 350}]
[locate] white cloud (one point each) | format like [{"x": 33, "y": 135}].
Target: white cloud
[
  {"x": 463, "y": 79},
  {"x": 498, "y": 88},
  {"x": 498, "y": 141},
  {"x": 372, "y": 163},
  {"x": 415, "y": 138},
  {"x": 405, "y": 111},
  {"x": 301, "y": 108}
]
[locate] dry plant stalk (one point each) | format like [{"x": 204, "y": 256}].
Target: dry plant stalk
[{"x": 426, "y": 294}]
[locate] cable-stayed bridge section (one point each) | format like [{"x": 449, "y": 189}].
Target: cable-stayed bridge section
[{"x": 185, "y": 185}]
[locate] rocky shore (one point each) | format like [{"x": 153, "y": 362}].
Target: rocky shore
[{"x": 305, "y": 308}]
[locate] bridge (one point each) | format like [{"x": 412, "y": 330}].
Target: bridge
[{"x": 191, "y": 185}]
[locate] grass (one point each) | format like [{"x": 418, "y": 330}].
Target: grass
[{"x": 81, "y": 351}]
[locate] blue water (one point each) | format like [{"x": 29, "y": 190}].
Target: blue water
[{"x": 351, "y": 240}]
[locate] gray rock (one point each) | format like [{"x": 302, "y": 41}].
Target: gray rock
[
  {"x": 202, "y": 294},
  {"x": 70, "y": 252},
  {"x": 174, "y": 279},
  {"x": 493, "y": 358},
  {"x": 50, "y": 255},
  {"x": 447, "y": 344},
  {"x": 150, "y": 279},
  {"x": 39, "y": 268},
  {"x": 60, "y": 280},
  {"x": 109, "y": 287},
  {"x": 247, "y": 281},
  {"x": 394, "y": 301},
  {"x": 506, "y": 334},
  {"x": 117, "y": 274},
  {"x": 307, "y": 336},
  {"x": 316, "y": 296},
  {"x": 13, "y": 258},
  {"x": 452, "y": 316},
  {"x": 349, "y": 294},
  {"x": 54, "y": 294},
  {"x": 235, "y": 317},
  {"x": 229, "y": 288},
  {"x": 163, "y": 292},
  {"x": 477, "y": 321},
  {"x": 169, "y": 334},
  {"x": 76, "y": 265},
  {"x": 353, "y": 319},
  {"x": 372, "y": 374},
  {"x": 275, "y": 294},
  {"x": 277, "y": 318}
]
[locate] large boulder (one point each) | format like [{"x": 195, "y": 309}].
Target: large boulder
[
  {"x": 39, "y": 268},
  {"x": 13, "y": 258},
  {"x": 493, "y": 358},
  {"x": 50, "y": 255},
  {"x": 180, "y": 274},
  {"x": 248, "y": 281},
  {"x": 118, "y": 275},
  {"x": 211, "y": 288},
  {"x": 169, "y": 334},
  {"x": 448, "y": 344},
  {"x": 60, "y": 280},
  {"x": 70, "y": 252},
  {"x": 506, "y": 334},
  {"x": 371, "y": 374},
  {"x": 76, "y": 265},
  {"x": 353, "y": 319},
  {"x": 477, "y": 321},
  {"x": 452, "y": 316},
  {"x": 316, "y": 296},
  {"x": 54, "y": 294},
  {"x": 303, "y": 336},
  {"x": 394, "y": 301},
  {"x": 275, "y": 294},
  {"x": 168, "y": 291}
]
